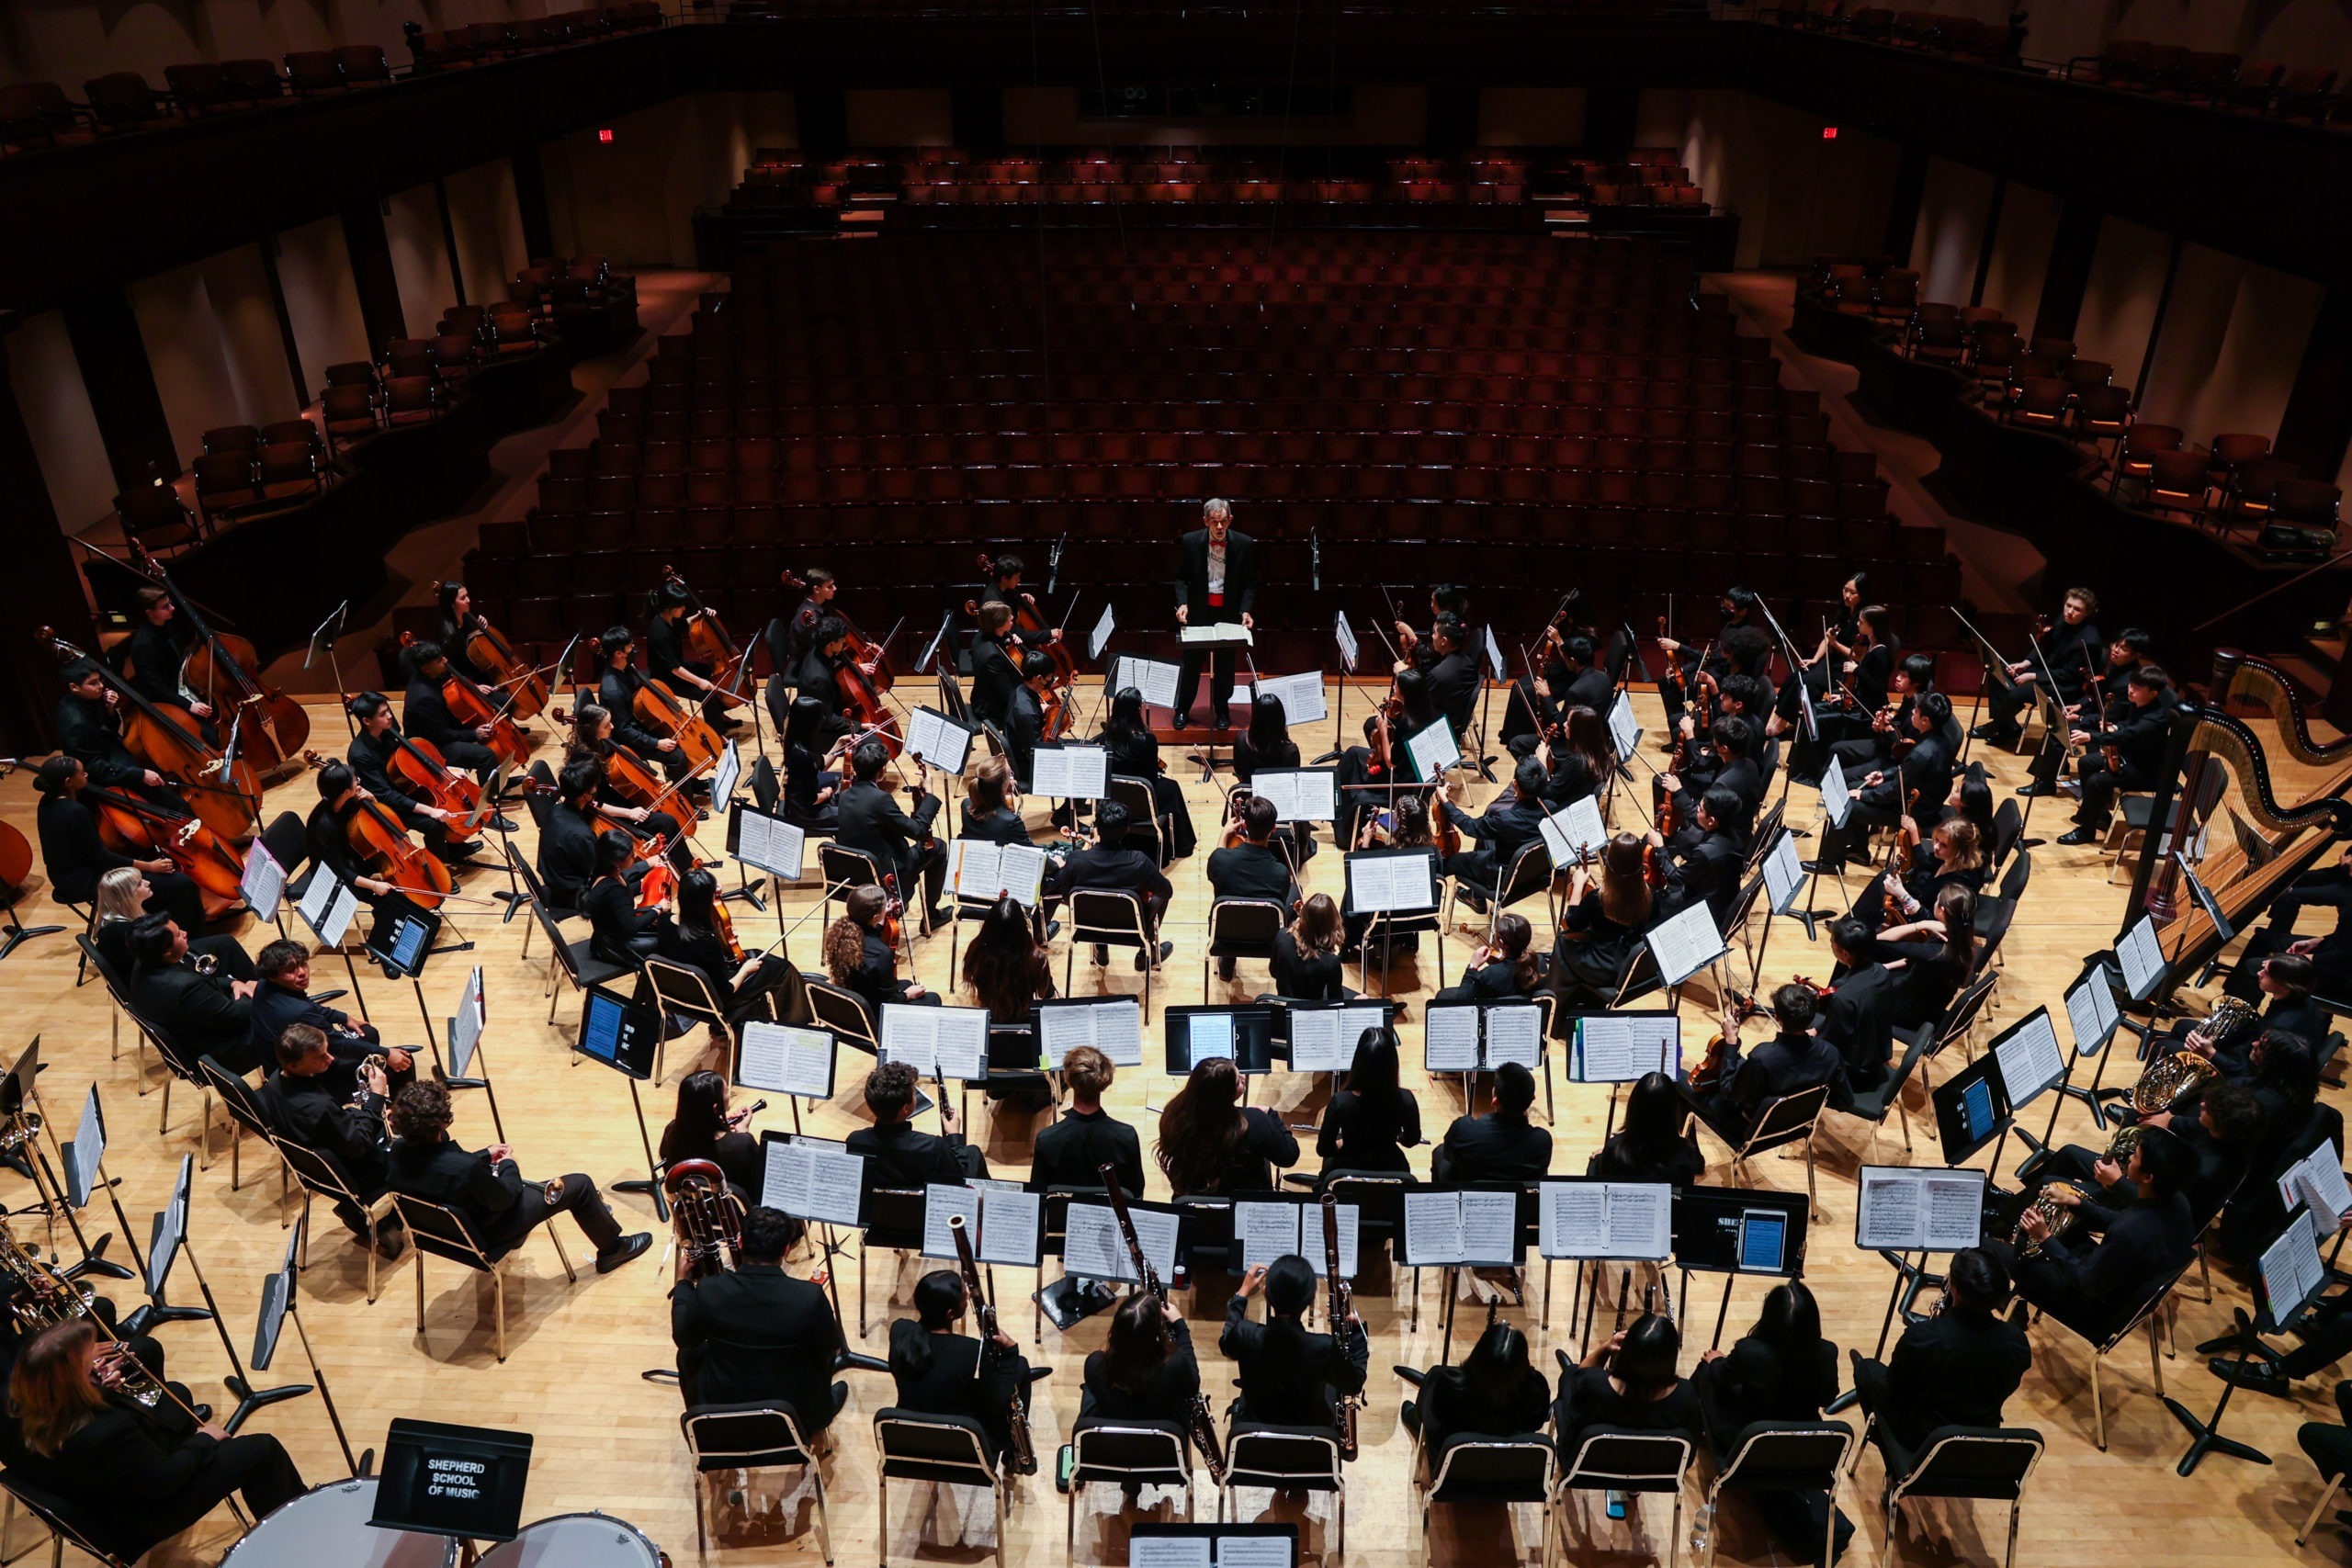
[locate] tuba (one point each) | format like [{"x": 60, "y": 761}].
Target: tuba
[
  {"x": 2060, "y": 1215},
  {"x": 705, "y": 1216}
]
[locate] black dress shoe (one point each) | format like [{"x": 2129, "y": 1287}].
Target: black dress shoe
[
  {"x": 504, "y": 823},
  {"x": 623, "y": 1250},
  {"x": 1998, "y": 733},
  {"x": 2253, "y": 1375},
  {"x": 1822, "y": 867},
  {"x": 2038, "y": 790},
  {"x": 2081, "y": 836},
  {"x": 1183, "y": 720}
]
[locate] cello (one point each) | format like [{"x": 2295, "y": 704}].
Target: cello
[
  {"x": 707, "y": 637},
  {"x": 525, "y": 687},
  {"x": 137, "y": 827},
  {"x": 662, "y": 713},
  {"x": 378, "y": 837},
  {"x": 470, "y": 705},
  {"x": 1026, "y": 618},
  {"x": 273, "y": 727},
  {"x": 420, "y": 765},
  {"x": 872, "y": 659},
  {"x": 225, "y": 795},
  {"x": 625, "y": 771}
]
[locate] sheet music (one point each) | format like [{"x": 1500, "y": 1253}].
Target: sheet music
[
  {"x": 1070, "y": 771},
  {"x": 942, "y": 1202},
  {"x": 769, "y": 843},
  {"x": 1012, "y": 1225},
  {"x": 2292, "y": 1270},
  {"x": 465, "y": 1029},
  {"x": 1208, "y": 1035},
  {"x": 1495, "y": 657},
  {"x": 1101, "y": 636},
  {"x": 1385, "y": 881},
  {"x": 813, "y": 1183},
  {"x": 2031, "y": 1060},
  {"x": 1572, "y": 1218},
  {"x": 1783, "y": 873},
  {"x": 1217, "y": 633},
  {"x": 1114, "y": 1028},
  {"x": 1154, "y": 679},
  {"x": 1836, "y": 798},
  {"x": 1310, "y": 1238},
  {"x": 1623, "y": 733},
  {"x": 1621, "y": 1047},
  {"x": 2317, "y": 1180},
  {"x": 1093, "y": 1249},
  {"x": 1318, "y": 1042},
  {"x": 1573, "y": 832},
  {"x": 1248, "y": 1552},
  {"x": 1434, "y": 750},
  {"x": 1514, "y": 1033},
  {"x": 1434, "y": 1227},
  {"x": 783, "y": 1059},
  {"x": 937, "y": 1042},
  {"x": 1490, "y": 1228},
  {"x": 1300, "y": 695},
  {"x": 1346, "y": 635},
  {"x": 88, "y": 1147},
  {"x": 2143, "y": 958},
  {"x": 981, "y": 870},
  {"x": 1686, "y": 944},
  {"x": 1177, "y": 1551},
  {"x": 729, "y": 768},
  {"x": 1449, "y": 1038},
  {"x": 1804, "y": 701},
  {"x": 1268, "y": 1230},
  {"x": 1892, "y": 1212},
  {"x": 1955, "y": 1217},
  {"x": 939, "y": 740},
  {"x": 1300, "y": 794},
  {"x": 264, "y": 883}
]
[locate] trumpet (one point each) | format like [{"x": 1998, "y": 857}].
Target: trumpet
[
  {"x": 205, "y": 964},
  {"x": 44, "y": 1298},
  {"x": 705, "y": 1219},
  {"x": 2060, "y": 1216},
  {"x": 16, "y": 1130}
]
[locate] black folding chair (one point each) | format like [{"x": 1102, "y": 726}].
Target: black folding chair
[
  {"x": 1477, "y": 1468},
  {"x": 762, "y": 1434},
  {"x": 1106, "y": 1452},
  {"x": 1241, "y": 928},
  {"x": 443, "y": 1233},
  {"x": 1799, "y": 1457},
  {"x": 1612, "y": 1460},
  {"x": 947, "y": 1450},
  {"x": 1287, "y": 1458},
  {"x": 1990, "y": 1463}
]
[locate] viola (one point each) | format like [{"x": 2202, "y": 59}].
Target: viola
[
  {"x": 378, "y": 837},
  {"x": 271, "y": 728},
  {"x": 1058, "y": 717},
  {"x": 420, "y": 765},
  {"x": 707, "y": 638},
  {"x": 662, "y": 713},
  {"x": 661, "y": 879},
  {"x": 525, "y": 688},
  {"x": 137, "y": 827},
  {"x": 472, "y": 706},
  {"x": 1709, "y": 1073},
  {"x": 225, "y": 795}
]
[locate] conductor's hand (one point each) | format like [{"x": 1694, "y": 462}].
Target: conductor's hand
[
  {"x": 1183, "y": 614},
  {"x": 1249, "y": 622},
  {"x": 1254, "y": 1279}
]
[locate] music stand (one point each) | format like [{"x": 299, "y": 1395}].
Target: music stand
[
  {"x": 84, "y": 1161},
  {"x": 279, "y": 1291},
  {"x": 322, "y": 642},
  {"x": 2289, "y": 1280},
  {"x": 463, "y": 1483},
  {"x": 625, "y": 1037},
  {"x": 171, "y": 1240}
]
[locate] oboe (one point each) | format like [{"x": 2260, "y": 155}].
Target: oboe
[
  {"x": 1204, "y": 1424},
  {"x": 1342, "y": 1296},
  {"x": 1024, "y": 1453}
]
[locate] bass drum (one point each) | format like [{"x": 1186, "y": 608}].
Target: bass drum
[
  {"x": 578, "y": 1541},
  {"x": 327, "y": 1528}
]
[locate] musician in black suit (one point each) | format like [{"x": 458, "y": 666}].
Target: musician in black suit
[
  {"x": 77, "y": 857},
  {"x": 2092, "y": 1286},
  {"x": 1500, "y": 1146},
  {"x": 201, "y": 1015},
  {"x": 1509, "y": 825},
  {"x": 1706, "y": 858},
  {"x": 1570, "y": 679},
  {"x": 2140, "y": 738},
  {"x": 2286, "y": 979},
  {"x": 1955, "y": 1368},
  {"x": 1216, "y": 581},
  {"x": 898, "y": 1156},
  {"x": 996, "y": 664},
  {"x": 1728, "y": 765},
  {"x": 942, "y": 1373},
  {"x": 665, "y": 654},
  {"x": 1453, "y": 673},
  {"x": 755, "y": 1332},
  {"x": 301, "y": 1105},
  {"x": 1110, "y": 866},
  {"x": 88, "y": 727},
  {"x": 282, "y": 1000},
  {"x": 1857, "y": 1015},
  {"x": 1248, "y": 864},
  {"x": 1288, "y": 1376},
  {"x": 617, "y": 690},
  {"x": 2070, "y": 653},
  {"x": 568, "y": 841},
  {"x": 1025, "y": 724},
  {"x": 1073, "y": 1151},
  {"x": 2103, "y": 702},
  {"x": 370, "y": 756},
  {"x": 1884, "y": 795},
  {"x": 424, "y": 713},
  {"x": 151, "y": 655},
  {"x": 483, "y": 1188},
  {"x": 326, "y": 835},
  {"x": 1795, "y": 1059},
  {"x": 900, "y": 844}
]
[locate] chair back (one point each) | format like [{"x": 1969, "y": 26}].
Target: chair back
[
  {"x": 442, "y": 1232},
  {"x": 1475, "y": 1468},
  {"x": 1153, "y": 1452},
  {"x": 318, "y": 1172},
  {"x": 682, "y": 988},
  {"x": 914, "y": 1446},
  {"x": 1876, "y": 1103},
  {"x": 522, "y": 867},
  {"x": 1245, "y": 928},
  {"x": 566, "y": 956},
  {"x": 1530, "y": 873},
  {"x": 2147, "y": 1306},
  {"x": 1282, "y": 1458},
  {"x": 845, "y": 868},
  {"x": 750, "y": 1435},
  {"x": 287, "y": 839},
  {"x": 1109, "y": 915},
  {"x": 1144, "y": 818},
  {"x": 845, "y": 1013},
  {"x": 235, "y": 1093},
  {"x": 1988, "y": 1463},
  {"x": 1793, "y": 1456},
  {"x": 1788, "y": 1120},
  {"x": 541, "y": 805},
  {"x": 1961, "y": 1017},
  {"x": 1610, "y": 1460},
  {"x": 108, "y": 975},
  {"x": 65, "y": 1519}
]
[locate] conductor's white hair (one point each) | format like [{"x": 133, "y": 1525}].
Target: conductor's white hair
[{"x": 1216, "y": 508}]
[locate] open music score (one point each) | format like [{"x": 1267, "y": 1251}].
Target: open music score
[
  {"x": 2293, "y": 1273},
  {"x": 1155, "y": 679},
  {"x": 327, "y": 906},
  {"x": 1100, "y": 637},
  {"x": 1006, "y": 1220},
  {"x": 2141, "y": 957},
  {"x": 465, "y": 1024},
  {"x": 1112, "y": 1025},
  {"x": 811, "y": 1179},
  {"x": 1783, "y": 873},
  {"x": 1911, "y": 1209},
  {"x": 1686, "y": 944},
  {"x": 1212, "y": 1546},
  {"x": 766, "y": 842},
  {"x": 1300, "y": 695},
  {"x": 1069, "y": 771},
  {"x": 1432, "y": 751},
  {"x": 1399, "y": 881},
  {"x": 1837, "y": 799},
  {"x": 1625, "y": 734},
  {"x": 2092, "y": 1013},
  {"x": 1624, "y": 1047},
  {"x": 1621, "y": 1221},
  {"x": 980, "y": 870},
  {"x": 1278, "y": 1224},
  {"x": 2030, "y": 1058},
  {"x": 780, "y": 1058},
  {"x": 1478, "y": 1037},
  {"x": 263, "y": 882},
  {"x": 938, "y": 740},
  {"x": 1217, "y": 634},
  {"x": 1323, "y": 1039},
  {"x": 2317, "y": 1182},
  {"x": 1479, "y": 1229},
  {"x": 1300, "y": 795},
  {"x": 941, "y": 1042},
  {"x": 1575, "y": 833},
  {"x": 1094, "y": 1248}
]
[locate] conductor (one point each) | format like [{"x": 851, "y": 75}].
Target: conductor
[{"x": 1216, "y": 581}]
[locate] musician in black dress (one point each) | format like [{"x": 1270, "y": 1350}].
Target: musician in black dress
[
  {"x": 327, "y": 832},
  {"x": 591, "y": 740},
  {"x": 812, "y": 782},
  {"x": 1288, "y": 1376},
  {"x": 742, "y": 986},
  {"x": 1217, "y": 583},
  {"x": 1134, "y": 754},
  {"x": 1267, "y": 744},
  {"x": 704, "y": 1128},
  {"x": 997, "y": 652},
  {"x": 459, "y": 625},
  {"x": 616, "y": 690},
  {"x": 942, "y": 1373},
  {"x": 1147, "y": 1369},
  {"x": 665, "y": 653},
  {"x": 1601, "y": 930},
  {"x": 75, "y": 856}
]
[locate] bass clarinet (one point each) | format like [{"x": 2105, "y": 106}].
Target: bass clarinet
[
  {"x": 1024, "y": 1452},
  {"x": 1203, "y": 1425},
  {"x": 1342, "y": 1304}
]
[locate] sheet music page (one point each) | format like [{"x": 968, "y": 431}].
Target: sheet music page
[
  {"x": 2143, "y": 958},
  {"x": 1049, "y": 772},
  {"x": 1012, "y": 1225},
  {"x": 1572, "y": 834},
  {"x": 783, "y": 1184},
  {"x": 1624, "y": 735},
  {"x": 89, "y": 1146},
  {"x": 962, "y": 1042},
  {"x": 465, "y": 1027},
  {"x": 1156, "y": 678},
  {"x": 1783, "y": 873},
  {"x": 1433, "y": 1231},
  {"x": 1208, "y": 1035},
  {"x": 973, "y": 868},
  {"x": 1061, "y": 1031},
  {"x": 340, "y": 914},
  {"x": 1315, "y": 1045},
  {"x": 2029, "y": 1058},
  {"x": 911, "y": 1034},
  {"x": 770, "y": 844},
  {"x": 2320, "y": 1182},
  {"x": 1098, "y": 639},
  {"x": 836, "y": 1182},
  {"x": 1434, "y": 750},
  {"x": 2292, "y": 1270},
  {"x": 1495, "y": 657},
  {"x": 1090, "y": 771},
  {"x": 1448, "y": 1037},
  {"x": 1157, "y": 1233},
  {"x": 782, "y": 1059},
  {"x": 1490, "y": 1228},
  {"x": 1218, "y": 632},
  {"x": 1955, "y": 1210},
  {"x": 316, "y": 896},
  {"x": 1174, "y": 1551},
  {"x": 1572, "y": 1219},
  {"x": 1686, "y": 944},
  {"x": 1893, "y": 1211},
  {"x": 1346, "y": 635},
  {"x": 1268, "y": 1231},
  {"x": 1641, "y": 1220},
  {"x": 1255, "y": 1551},
  {"x": 1514, "y": 1033},
  {"x": 941, "y": 1202},
  {"x": 1812, "y": 718},
  {"x": 1301, "y": 697},
  {"x": 2082, "y": 1013},
  {"x": 1300, "y": 794},
  {"x": 1836, "y": 798},
  {"x": 1620, "y": 1047},
  {"x": 264, "y": 883},
  {"x": 729, "y": 768},
  {"x": 1023, "y": 869},
  {"x": 1310, "y": 1238},
  {"x": 1091, "y": 1246},
  {"x": 1387, "y": 881},
  {"x": 939, "y": 740}
]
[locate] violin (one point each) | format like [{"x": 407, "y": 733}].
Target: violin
[
  {"x": 378, "y": 837},
  {"x": 525, "y": 688},
  {"x": 1672, "y": 674},
  {"x": 420, "y": 765},
  {"x": 661, "y": 880},
  {"x": 225, "y": 795},
  {"x": 137, "y": 827},
  {"x": 1654, "y": 862},
  {"x": 271, "y": 728},
  {"x": 472, "y": 706},
  {"x": 707, "y": 637},
  {"x": 894, "y": 911},
  {"x": 1709, "y": 1073}
]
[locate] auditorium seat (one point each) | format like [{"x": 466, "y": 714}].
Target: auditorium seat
[
  {"x": 121, "y": 100},
  {"x": 37, "y": 113}
]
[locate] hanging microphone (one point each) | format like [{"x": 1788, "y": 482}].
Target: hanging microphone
[{"x": 1315, "y": 561}]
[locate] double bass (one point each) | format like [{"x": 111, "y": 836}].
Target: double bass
[
  {"x": 225, "y": 795},
  {"x": 525, "y": 687},
  {"x": 271, "y": 728},
  {"x": 472, "y": 706}
]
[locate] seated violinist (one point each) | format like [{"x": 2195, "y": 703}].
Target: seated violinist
[
  {"x": 1510, "y": 823},
  {"x": 327, "y": 835},
  {"x": 901, "y": 845},
  {"x": 1748, "y": 1083},
  {"x": 811, "y": 780},
  {"x": 700, "y": 938},
  {"x": 1706, "y": 858},
  {"x": 592, "y": 740},
  {"x": 616, "y": 690},
  {"x": 371, "y": 754},
  {"x": 425, "y": 714},
  {"x": 1602, "y": 928},
  {"x": 568, "y": 841}
]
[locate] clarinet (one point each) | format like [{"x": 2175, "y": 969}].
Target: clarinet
[
  {"x": 1342, "y": 1297},
  {"x": 1203, "y": 1424},
  {"x": 1624, "y": 1286},
  {"x": 1024, "y": 1453}
]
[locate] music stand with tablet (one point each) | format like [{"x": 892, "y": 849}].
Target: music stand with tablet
[
  {"x": 1735, "y": 1231},
  {"x": 399, "y": 940},
  {"x": 464, "y": 1482},
  {"x": 1245, "y": 1033},
  {"x": 1972, "y": 1111},
  {"x": 626, "y": 1036}
]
